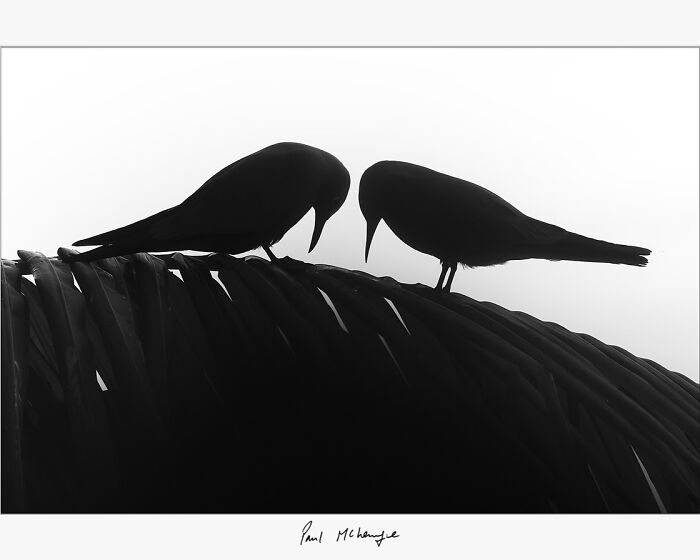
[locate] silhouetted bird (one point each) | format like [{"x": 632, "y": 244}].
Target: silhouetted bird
[
  {"x": 460, "y": 222},
  {"x": 249, "y": 204}
]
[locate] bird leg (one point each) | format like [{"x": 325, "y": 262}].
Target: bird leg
[
  {"x": 272, "y": 257},
  {"x": 453, "y": 269},
  {"x": 287, "y": 263},
  {"x": 445, "y": 266}
]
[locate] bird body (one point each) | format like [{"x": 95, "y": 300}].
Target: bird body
[
  {"x": 249, "y": 204},
  {"x": 461, "y": 222}
]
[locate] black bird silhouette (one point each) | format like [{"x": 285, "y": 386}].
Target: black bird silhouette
[
  {"x": 249, "y": 204},
  {"x": 460, "y": 222}
]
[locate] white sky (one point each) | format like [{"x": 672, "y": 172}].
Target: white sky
[{"x": 602, "y": 142}]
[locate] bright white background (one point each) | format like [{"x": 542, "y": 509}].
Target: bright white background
[
  {"x": 443, "y": 537},
  {"x": 603, "y": 142},
  {"x": 268, "y": 22}
]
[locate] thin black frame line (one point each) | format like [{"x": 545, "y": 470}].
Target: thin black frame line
[{"x": 350, "y": 46}]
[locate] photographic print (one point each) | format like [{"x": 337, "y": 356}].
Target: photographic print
[{"x": 350, "y": 280}]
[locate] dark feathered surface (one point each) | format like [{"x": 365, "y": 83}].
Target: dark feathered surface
[
  {"x": 460, "y": 222},
  {"x": 246, "y": 386},
  {"x": 251, "y": 203}
]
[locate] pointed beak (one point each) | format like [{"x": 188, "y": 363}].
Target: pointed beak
[
  {"x": 318, "y": 228},
  {"x": 371, "y": 228}
]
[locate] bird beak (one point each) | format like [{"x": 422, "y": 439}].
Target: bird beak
[
  {"x": 318, "y": 228},
  {"x": 371, "y": 228}
]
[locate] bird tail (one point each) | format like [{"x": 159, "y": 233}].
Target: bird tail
[
  {"x": 576, "y": 247},
  {"x": 123, "y": 234},
  {"x": 99, "y": 253}
]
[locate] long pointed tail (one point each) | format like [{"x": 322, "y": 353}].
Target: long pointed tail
[
  {"x": 123, "y": 234},
  {"x": 100, "y": 253},
  {"x": 576, "y": 247}
]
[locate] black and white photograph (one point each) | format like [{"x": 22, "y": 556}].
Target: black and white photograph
[{"x": 321, "y": 282}]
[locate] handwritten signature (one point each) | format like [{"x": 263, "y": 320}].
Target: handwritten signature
[{"x": 345, "y": 534}]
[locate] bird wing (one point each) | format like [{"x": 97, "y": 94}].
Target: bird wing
[
  {"x": 475, "y": 212},
  {"x": 500, "y": 221},
  {"x": 261, "y": 192},
  {"x": 254, "y": 194},
  {"x": 442, "y": 215}
]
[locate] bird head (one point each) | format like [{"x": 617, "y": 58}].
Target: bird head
[
  {"x": 371, "y": 201},
  {"x": 332, "y": 192}
]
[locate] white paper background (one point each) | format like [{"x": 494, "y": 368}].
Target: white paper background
[{"x": 541, "y": 22}]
